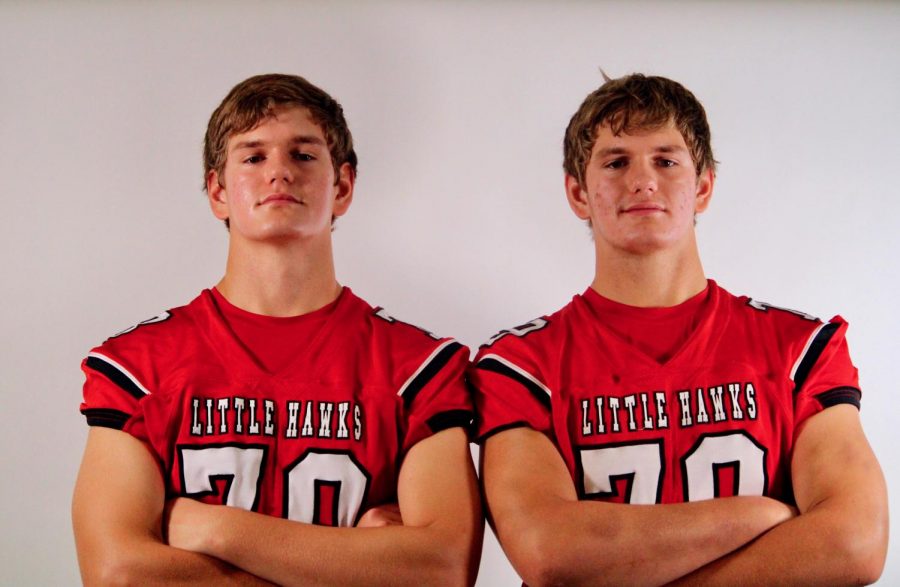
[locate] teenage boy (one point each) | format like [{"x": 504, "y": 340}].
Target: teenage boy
[
  {"x": 659, "y": 389},
  {"x": 278, "y": 392}
]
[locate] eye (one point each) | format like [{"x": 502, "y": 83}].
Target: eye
[
  {"x": 666, "y": 162},
  {"x": 300, "y": 156},
  {"x": 616, "y": 164},
  {"x": 254, "y": 159}
]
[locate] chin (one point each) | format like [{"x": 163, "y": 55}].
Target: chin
[{"x": 646, "y": 245}]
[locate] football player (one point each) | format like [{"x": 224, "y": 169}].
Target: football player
[
  {"x": 336, "y": 432},
  {"x": 658, "y": 428}
]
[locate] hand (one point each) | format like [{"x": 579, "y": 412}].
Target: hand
[
  {"x": 379, "y": 516},
  {"x": 185, "y": 523},
  {"x": 781, "y": 512}
]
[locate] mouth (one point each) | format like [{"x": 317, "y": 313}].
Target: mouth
[
  {"x": 643, "y": 208},
  {"x": 281, "y": 198}
]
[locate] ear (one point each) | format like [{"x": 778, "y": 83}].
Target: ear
[
  {"x": 578, "y": 198},
  {"x": 217, "y": 195},
  {"x": 704, "y": 190},
  {"x": 343, "y": 190}
]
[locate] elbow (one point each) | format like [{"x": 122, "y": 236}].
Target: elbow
[
  {"x": 546, "y": 557},
  {"x": 112, "y": 572},
  {"x": 442, "y": 568},
  {"x": 110, "y": 565},
  {"x": 540, "y": 558},
  {"x": 862, "y": 551},
  {"x": 457, "y": 560}
]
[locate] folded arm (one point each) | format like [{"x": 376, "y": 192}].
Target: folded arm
[
  {"x": 552, "y": 538},
  {"x": 840, "y": 536},
  {"x": 117, "y": 512},
  {"x": 438, "y": 543}
]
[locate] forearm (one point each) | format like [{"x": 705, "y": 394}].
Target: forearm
[
  {"x": 831, "y": 544},
  {"x": 841, "y": 536},
  {"x": 292, "y": 553},
  {"x": 438, "y": 542},
  {"x": 593, "y": 543},
  {"x": 552, "y": 537},
  {"x": 116, "y": 513},
  {"x": 153, "y": 563}
]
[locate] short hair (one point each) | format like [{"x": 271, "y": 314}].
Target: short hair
[
  {"x": 637, "y": 102},
  {"x": 256, "y": 98}
]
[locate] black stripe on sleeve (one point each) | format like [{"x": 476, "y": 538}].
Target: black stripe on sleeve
[
  {"x": 115, "y": 376},
  {"x": 496, "y": 366},
  {"x": 813, "y": 353},
  {"x": 450, "y": 419},
  {"x": 839, "y": 395},
  {"x": 430, "y": 370},
  {"x": 106, "y": 418}
]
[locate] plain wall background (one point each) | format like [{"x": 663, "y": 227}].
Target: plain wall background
[{"x": 459, "y": 223}]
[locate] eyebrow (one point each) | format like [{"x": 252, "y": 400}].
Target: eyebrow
[
  {"x": 622, "y": 151},
  {"x": 297, "y": 140}
]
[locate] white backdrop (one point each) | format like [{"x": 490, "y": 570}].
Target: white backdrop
[{"x": 460, "y": 222}]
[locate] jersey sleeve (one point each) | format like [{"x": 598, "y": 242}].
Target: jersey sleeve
[
  {"x": 120, "y": 373},
  {"x": 510, "y": 387},
  {"x": 823, "y": 374},
  {"x": 111, "y": 390},
  {"x": 435, "y": 396}
]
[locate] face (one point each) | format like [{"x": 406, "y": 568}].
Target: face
[
  {"x": 279, "y": 182},
  {"x": 641, "y": 191}
]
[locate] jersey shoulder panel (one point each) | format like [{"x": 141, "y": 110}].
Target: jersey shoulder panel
[
  {"x": 530, "y": 347},
  {"x": 406, "y": 355},
  {"x": 423, "y": 371},
  {"x": 791, "y": 330},
  {"x": 514, "y": 375},
  {"x": 131, "y": 364},
  {"x": 815, "y": 355}
]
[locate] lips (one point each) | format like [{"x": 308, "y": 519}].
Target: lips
[
  {"x": 644, "y": 208},
  {"x": 276, "y": 198}
]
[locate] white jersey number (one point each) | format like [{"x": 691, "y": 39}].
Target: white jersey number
[
  {"x": 241, "y": 468},
  {"x": 315, "y": 469},
  {"x": 641, "y": 466},
  {"x": 520, "y": 331},
  {"x": 701, "y": 465}
]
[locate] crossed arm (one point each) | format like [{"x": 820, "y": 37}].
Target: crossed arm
[
  {"x": 117, "y": 516},
  {"x": 552, "y": 538},
  {"x": 118, "y": 522},
  {"x": 841, "y": 534}
]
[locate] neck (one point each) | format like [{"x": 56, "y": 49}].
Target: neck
[
  {"x": 649, "y": 280},
  {"x": 278, "y": 279}
]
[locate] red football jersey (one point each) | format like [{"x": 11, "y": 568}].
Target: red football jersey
[
  {"x": 718, "y": 418},
  {"x": 319, "y": 441}
]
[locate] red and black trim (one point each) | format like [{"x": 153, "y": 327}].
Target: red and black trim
[
  {"x": 839, "y": 395},
  {"x": 427, "y": 372},
  {"x": 105, "y": 417},
  {"x": 816, "y": 347},
  {"x": 495, "y": 366},
  {"x": 117, "y": 376},
  {"x": 450, "y": 419}
]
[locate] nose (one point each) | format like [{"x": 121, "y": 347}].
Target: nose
[
  {"x": 642, "y": 177},
  {"x": 279, "y": 168}
]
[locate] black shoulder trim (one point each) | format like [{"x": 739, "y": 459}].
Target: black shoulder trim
[
  {"x": 450, "y": 419},
  {"x": 427, "y": 371},
  {"x": 502, "y": 428},
  {"x": 116, "y": 376},
  {"x": 813, "y": 353},
  {"x": 488, "y": 364},
  {"x": 105, "y": 417},
  {"x": 839, "y": 395}
]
